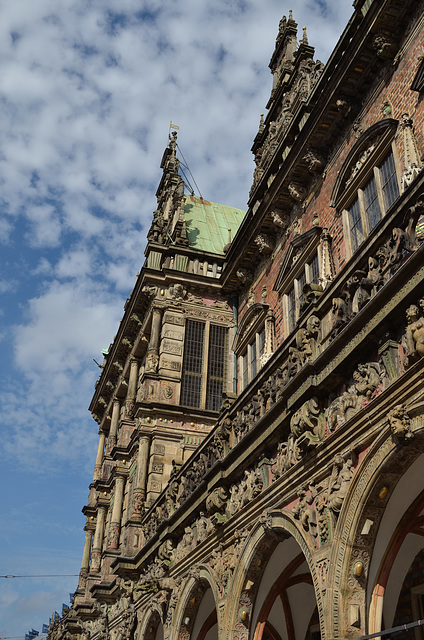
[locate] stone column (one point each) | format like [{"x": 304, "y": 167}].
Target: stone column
[
  {"x": 85, "y": 564},
  {"x": 98, "y": 539},
  {"x": 152, "y": 359},
  {"x": 114, "y": 423},
  {"x": 141, "y": 482},
  {"x": 115, "y": 520},
  {"x": 99, "y": 457},
  {"x": 132, "y": 389},
  {"x": 87, "y": 549}
]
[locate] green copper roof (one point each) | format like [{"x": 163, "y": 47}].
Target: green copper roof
[{"x": 207, "y": 223}]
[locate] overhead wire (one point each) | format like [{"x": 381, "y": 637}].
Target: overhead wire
[
  {"x": 188, "y": 169},
  {"x": 49, "y": 575}
]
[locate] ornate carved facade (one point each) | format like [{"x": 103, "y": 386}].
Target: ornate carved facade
[{"x": 260, "y": 411}]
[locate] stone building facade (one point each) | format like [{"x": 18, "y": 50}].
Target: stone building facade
[{"x": 259, "y": 473}]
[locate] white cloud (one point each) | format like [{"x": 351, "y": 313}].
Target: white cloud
[{"x": 86, "y": 105}]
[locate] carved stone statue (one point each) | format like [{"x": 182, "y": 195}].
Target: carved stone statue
[
  {"x": 366, "y": 380},
  {"x": 339, "y": 315},
  {"x": 338, "y": 483},
  {"x": 156, "y": 230},
  {"x": 204, "y": 527},
  {"x": 306, "y": 426},
  {"x": 265, "y": 243},
  {"x": 414, "y": 335},
  {"x": 400, "y": 422},
  {"x": 177, "y": 292},
  {"x": 303, "y": 511}
]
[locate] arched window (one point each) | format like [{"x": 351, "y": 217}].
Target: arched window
[{"x": 368, "y": 184}]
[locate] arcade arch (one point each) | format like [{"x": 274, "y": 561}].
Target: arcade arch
[
  {"x": 380, "y": 535},
  {"x": 274, "y": 586}
]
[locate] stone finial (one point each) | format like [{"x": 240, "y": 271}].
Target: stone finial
[
  {"x": 262, "y": 124},
  {"x": 228, "y": 245},
  {"x": 304, "y": 37}
]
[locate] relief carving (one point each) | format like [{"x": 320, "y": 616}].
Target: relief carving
[
  {"x": 304, "y": 512},
  {"x": 414, "y": 334},
  {"x": 366, "y": 383},
  {"x": 265, "y": 243},
  {"x": 307, "y": 425},
  {"x": 400, "y": 422}
]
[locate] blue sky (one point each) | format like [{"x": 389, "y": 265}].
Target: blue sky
[{"x": 87, "y": 91}]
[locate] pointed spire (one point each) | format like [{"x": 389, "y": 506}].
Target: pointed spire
[
  {"x": 305, "y": 37},
  {"x": 262, "y": 124},
  {"x": 228, "y": 245}
]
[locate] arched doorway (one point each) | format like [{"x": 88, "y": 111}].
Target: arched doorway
[
  {"x": 397, "y": 566},
  {"x": 274, "y": 589},
  {"x": 152, "y": 629},
  {"x": 288, "y": 610},
  {"x": 195, "y": 617}
]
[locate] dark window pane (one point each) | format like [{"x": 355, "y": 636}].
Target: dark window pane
[
  {"x": 389, "y": 181},
  {"x": 301, "y": 284},
  {"x": 261, "y": 342},
  {"x": 191, "y": 383},
  {"x": 291, "y": 302},
  {"x": 252, "y": 355},
  {"x": 355, "y": 225},
  {"x": 314, "y": 270},
  {"x": 217, "y": 360},
  {"x": 245, "y": 370},
  {"x": 372, "y": 207}
]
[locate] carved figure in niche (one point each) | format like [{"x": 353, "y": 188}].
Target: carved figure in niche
[
  {"x": 236, "y": 498},
  {"x": 367, "y": 379},
  {"x": 278, "y": 381},
  {"x": 297, "y": 191},
  {"x": 306, "y": 345},
  {"x": 129, "y": 409},
  {"x": 303, "y": 511},
  {"x": 217, "y": 500},
  {"x": 313, "y": 161},
  {"x": 186, "y": 544},
  {"x": 152, "y": 361},
  {"x": 339, "y": 315},
  {"x": 245, "y": 276},
  {"x": 374, "y": 274},
  {"x": 222, "y": 438},
  {"x": 138, "y": 504},
  {"x": 384, "y": 44},
  {"x": 306, "y": 426},
  {"x": 409, "y": 175},
  {"x": 288, "y": 454},
  {"x": 400, "y": 422},
  {"x": 280, "y": 219},
  {"x": 264, "y": 243},
  {"x": 338, "y": 483},
  {"x": 166, "y": 552},
  {"x": 250, "y": 298},
  {"x": 156, "y": 230},
  {"x": 311, "y": 294},
  {"x": 253, "y": 484},
  {"x": 204, "y": 527},
  {"x": 240, "y": 426},
  {"x": 297, "y": 356},
  {"x": 171, "y": 497},
  {"x": 359, "y": 288},
  {"x": 149, "y": 292},
  {"x": 177, "y": 292},
  {"x": 344, "y": 107},
  {"x": 414, "y": 334}
]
